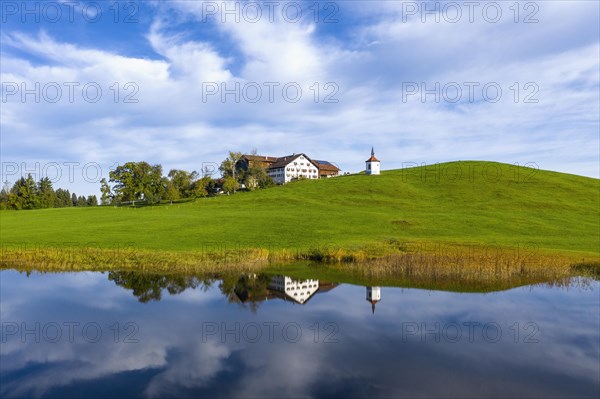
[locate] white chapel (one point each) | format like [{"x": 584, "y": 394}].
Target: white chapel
[{"x": 373, "y": 165}]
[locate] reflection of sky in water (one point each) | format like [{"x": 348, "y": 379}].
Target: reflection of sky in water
[{"x": 375, "y": 354}]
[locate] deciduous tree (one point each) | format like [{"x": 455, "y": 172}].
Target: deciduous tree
[
  {"x": 106, "y": 191},
  {"x": 230, "y": 185},
  {"x": 137, "y": 180},
  {"x": 228, "y": 166}
]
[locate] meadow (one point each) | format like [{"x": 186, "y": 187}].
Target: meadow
[{"x": 468, "y": 208}]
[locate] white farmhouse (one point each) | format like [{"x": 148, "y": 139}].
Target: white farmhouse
[
  {"x": 373, "y": 165},
  {"x": 292, "y": 167}
]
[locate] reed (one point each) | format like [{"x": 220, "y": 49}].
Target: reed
[{"x": 387, "y": 260}]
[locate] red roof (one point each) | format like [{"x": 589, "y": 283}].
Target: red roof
[{"x": 373, "y": 159}]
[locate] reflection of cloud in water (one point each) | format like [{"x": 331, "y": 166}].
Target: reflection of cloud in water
[
  {"x": 286, "y": 370},
  {"x": 370, "y": 358},
  {"x": 65, "y": 363},
  {"x": 91, "y": 290},
  {"x": 193, "y": 366}
]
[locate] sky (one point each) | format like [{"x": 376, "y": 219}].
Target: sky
[{"x": 90, "y": 85}]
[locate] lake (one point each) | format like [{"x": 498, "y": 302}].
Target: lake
[{"x": 122, "y": 334}]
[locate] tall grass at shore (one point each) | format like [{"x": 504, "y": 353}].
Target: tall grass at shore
[{"x": 456, "y": 268}]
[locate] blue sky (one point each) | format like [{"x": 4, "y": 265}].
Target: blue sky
[{"x": 419, "y": 86}]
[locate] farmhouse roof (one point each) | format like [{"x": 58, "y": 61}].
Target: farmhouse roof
[
  {"x": 326, "y": 166},
  {"x": 280, "y": 162},
  {"x": 283, "y": 161},
  {"x": 260, "y": 158}
]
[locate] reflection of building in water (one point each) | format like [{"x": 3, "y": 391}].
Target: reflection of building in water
[
  {"x": 282, "y": 287},
  {"x": 298, "y": 291},
  {"x": 373, "y": 296}
]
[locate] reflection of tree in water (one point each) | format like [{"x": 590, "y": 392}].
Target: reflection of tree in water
[
  {"x": 247, "y": 290},
  {"x": 148, "y": 286}
]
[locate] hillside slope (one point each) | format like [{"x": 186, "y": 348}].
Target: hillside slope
[{"x": 457, "y": 202}]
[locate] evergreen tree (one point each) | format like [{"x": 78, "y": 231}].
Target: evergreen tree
[
  {"x": 45, "y": 193},
  {"x": 23, "y": 194},
  {"x": 81, "y": 201},
  {"x": 4, "y": 195},
  {"x": 74, "y": 199},
  {"x": 63, "y": 198},
  {"x": 92, "y": 200}
]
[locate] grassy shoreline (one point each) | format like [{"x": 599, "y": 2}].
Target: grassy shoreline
[{"x": 385, "y": 258}]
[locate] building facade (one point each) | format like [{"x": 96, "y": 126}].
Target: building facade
[{"x": 291, "y": 167}]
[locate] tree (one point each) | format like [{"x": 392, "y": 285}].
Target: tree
[
  {"x": 207, "y": 171},
  {"x": 228, "y": 166},
  {"x": 126, "y": 185},
  {"x": 81, "y": 201},
  {"x": 4, "y": 195},
  {"x": 200, "y": 187},
  {"x": 230, "y": 185},
  {"x": 23, "y": 194},
  {"x": 106, "y": 197},
  {"x": 45, "y": 193},
  {"x": 243, "y": 289},
  {"x": 14, "y": 201},
  {"x": 182, "y": 181},
  {"x": 171, "y": 193},
  {"x": 149, "y": 287},
  {"x": 63, "y": 198},
  {"x": 256, "y": 176},
  {"x": 266, "y": 182},
  {"x": 152, "y": 187},
  {"x": 74, "y": 199},
  {"x": 137, "y": 180},
  {"x": 92, "y": 200}
]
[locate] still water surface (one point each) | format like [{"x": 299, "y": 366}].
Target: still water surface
[{"x": 125, "y": 335}]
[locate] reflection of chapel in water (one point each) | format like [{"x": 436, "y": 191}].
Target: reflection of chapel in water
[{"x": 373, "y": 296}]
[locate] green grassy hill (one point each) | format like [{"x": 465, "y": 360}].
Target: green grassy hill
[{"x": 457, "y": 202}]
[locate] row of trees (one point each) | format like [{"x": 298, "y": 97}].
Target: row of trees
[
  {"x": 26, "y": 193},
  {"x": 139, "y": 181}
]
